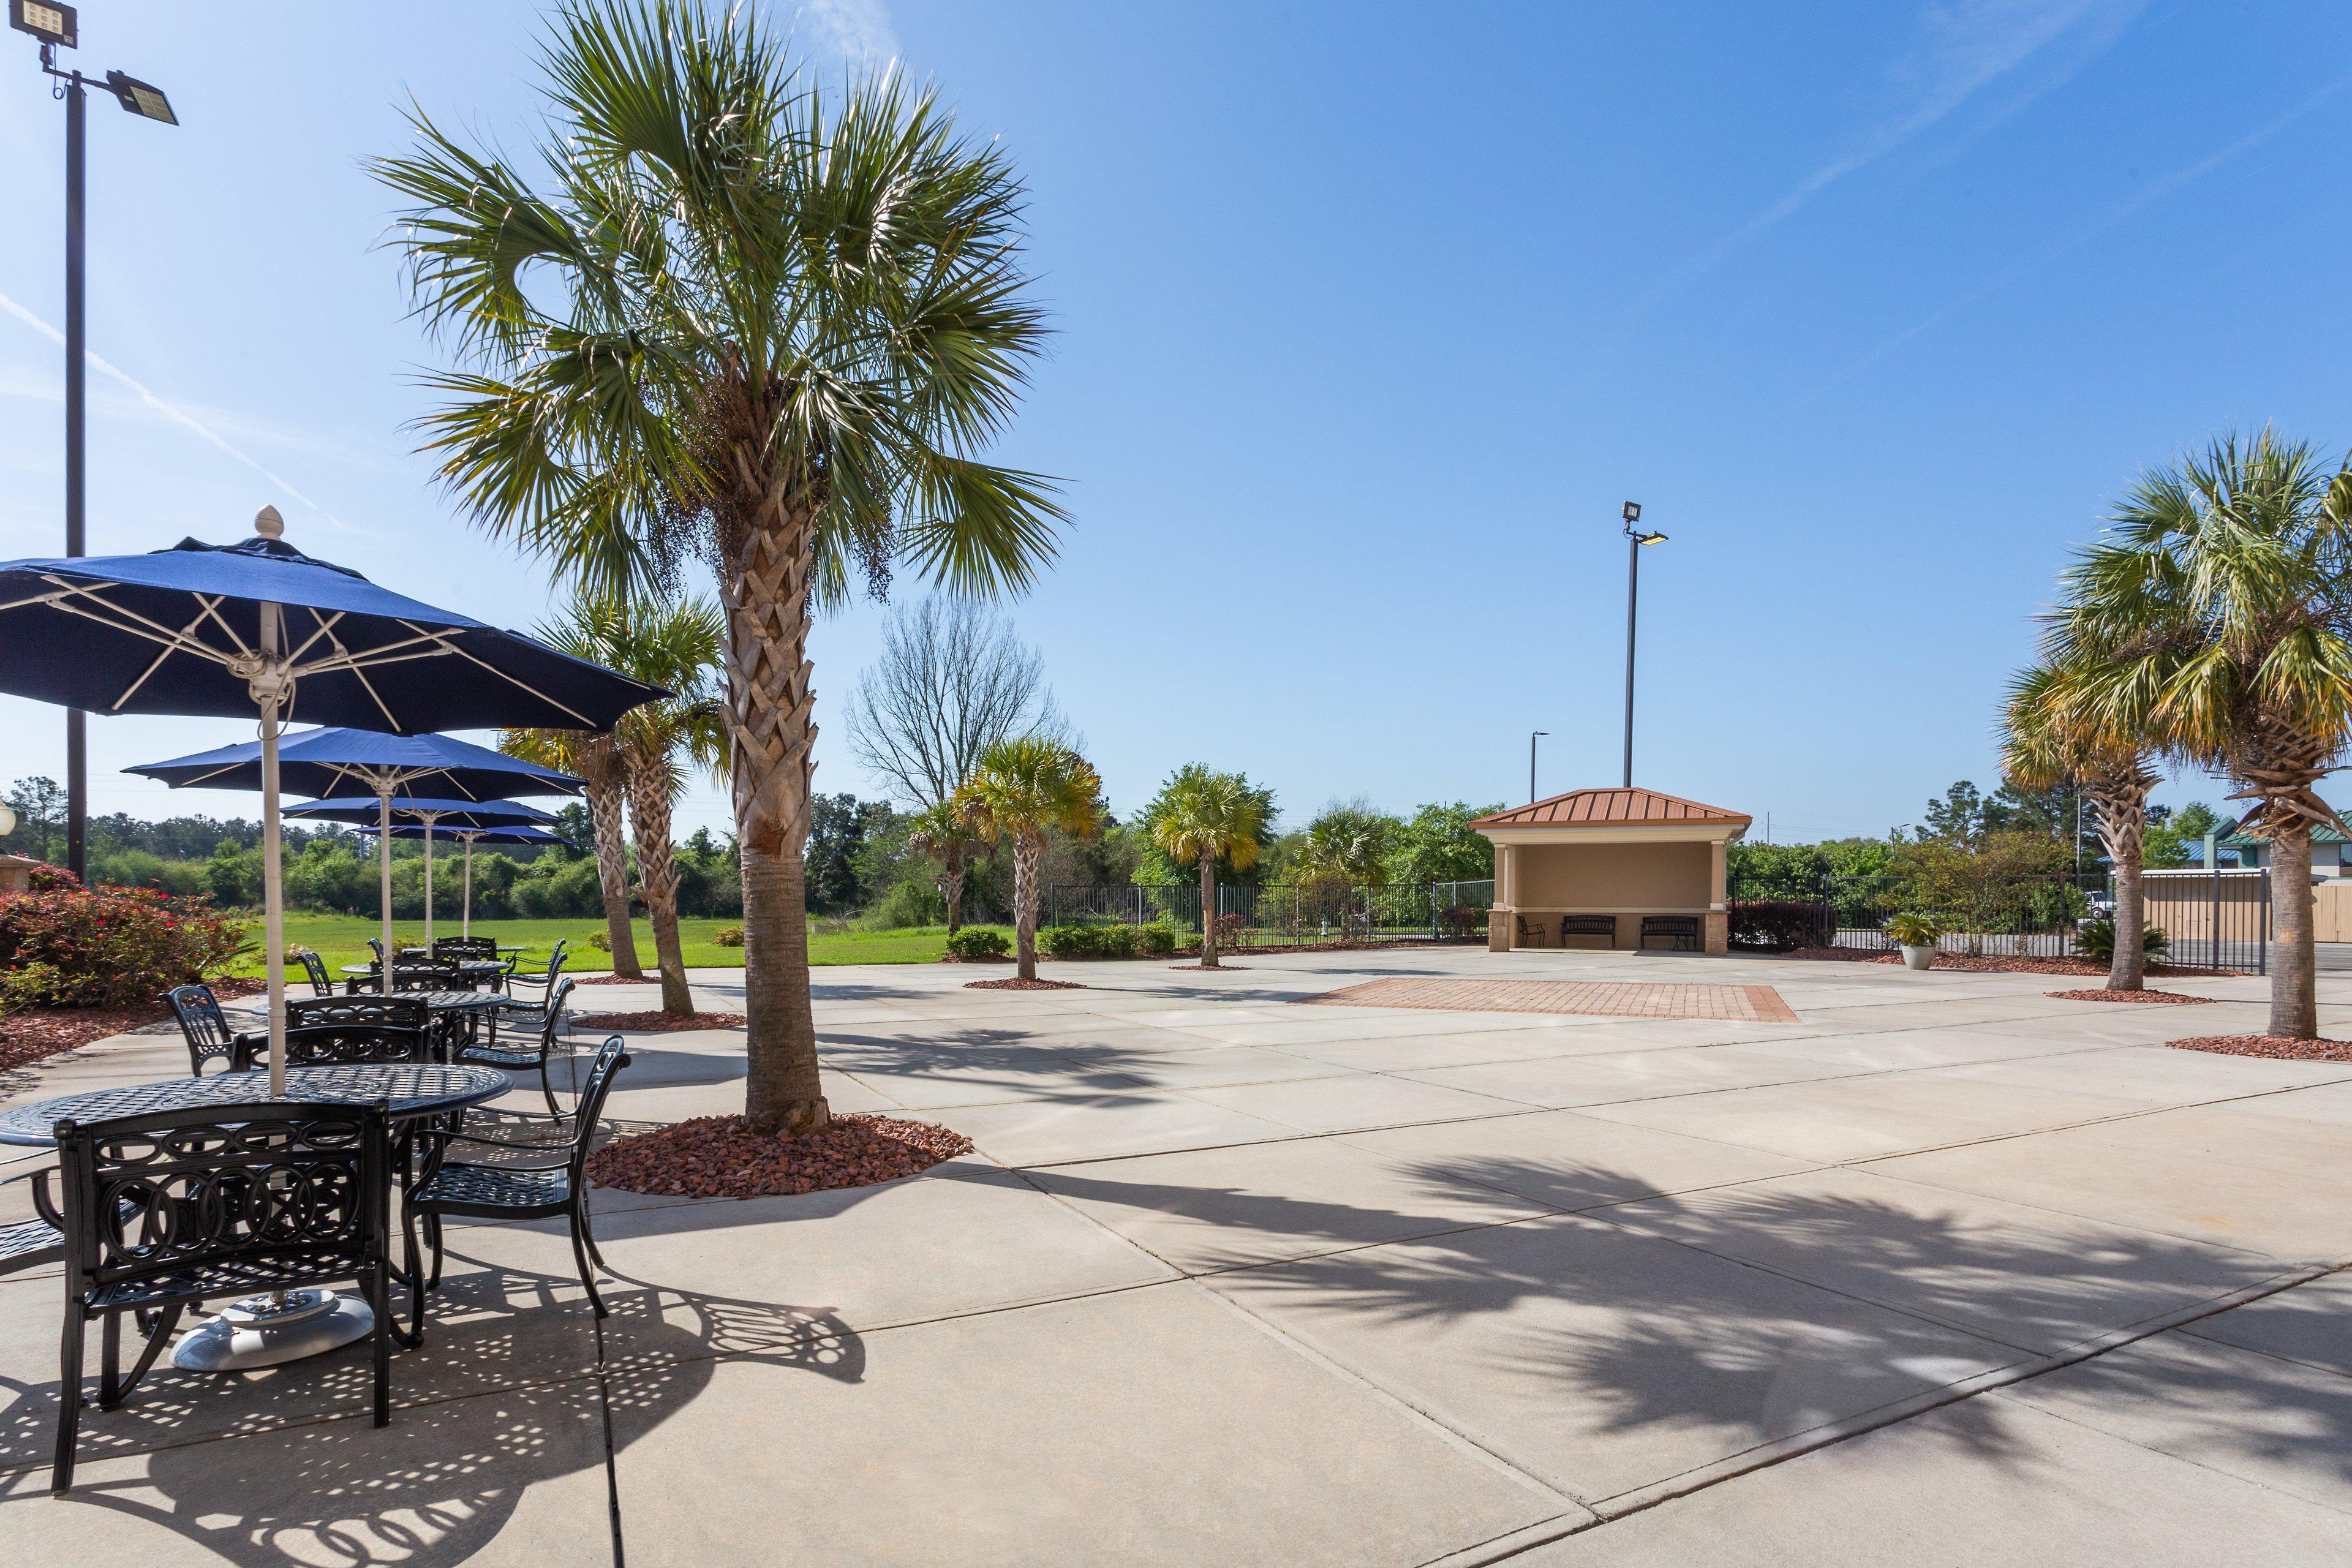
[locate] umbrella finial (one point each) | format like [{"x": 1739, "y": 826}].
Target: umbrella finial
[{"x": 269, "y": 524}]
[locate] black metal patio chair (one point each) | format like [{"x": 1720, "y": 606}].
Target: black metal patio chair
[
  {"x": 521, "y": 1052},
  {"x": 466, "y": 949},
  {"x": 209, "y": 1038},
  {"x": 342, "y": 1045},
  {"x": 513, "y": 1192},
  {"x": 315, "y": 968},
  {"x": 164, "y": 1212},
  {"x": 543, "y": 981}
]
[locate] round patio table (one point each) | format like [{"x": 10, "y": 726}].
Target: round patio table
[
  {"x": 285, "y": 1325},
  {"x": 412, "y": 1090},
  {"x": 482, "y": 968}
]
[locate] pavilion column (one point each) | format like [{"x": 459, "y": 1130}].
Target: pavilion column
[
  {"x": 1719, "y": 908},
  {"x": 1499, "y": 918}
]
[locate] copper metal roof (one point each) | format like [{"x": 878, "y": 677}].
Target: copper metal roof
[{"x": 1614, "y": 808}]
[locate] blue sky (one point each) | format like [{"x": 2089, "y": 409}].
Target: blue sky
[{"x": 1369, "y": 318}]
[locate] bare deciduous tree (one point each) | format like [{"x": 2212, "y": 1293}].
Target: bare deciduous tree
[{"x": 952, "y": 680}]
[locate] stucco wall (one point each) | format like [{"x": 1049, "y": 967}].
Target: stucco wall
[{"x": 1611, "y": 876}]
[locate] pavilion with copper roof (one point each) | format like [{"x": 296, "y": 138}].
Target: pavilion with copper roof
[{"x": 1611, "y": 868}]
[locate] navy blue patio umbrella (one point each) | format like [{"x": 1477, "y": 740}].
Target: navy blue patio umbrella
[
  {"x": 259, "y": 628},
  {"x": 455, "y": 815},
  {"x": 349, "y": 765}
]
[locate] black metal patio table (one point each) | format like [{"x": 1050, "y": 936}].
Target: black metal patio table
[
  {"x": 412, "y": 1091},
  {"x": 476, "y": 969},
  {"x": 267, "y": 1330}
]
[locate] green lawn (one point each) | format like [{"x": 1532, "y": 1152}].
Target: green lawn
[{"x": 342, "y": 938}]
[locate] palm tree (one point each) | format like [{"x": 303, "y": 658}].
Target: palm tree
[
  {"x": 674, "y": 646},
  {"x": 2050, "y": 737},
  {"x": 942, "y": 832},
  {"x": 595, "y": 760},
  {"x": 1201, "y": 817},
  {"x": 1021, "y": 787},
  {"x": 749, "y": 323},
  {"x": 2218, "y": 611}
]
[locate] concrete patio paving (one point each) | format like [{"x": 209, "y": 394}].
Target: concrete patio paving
[{"x": 1942, "y": 1271}]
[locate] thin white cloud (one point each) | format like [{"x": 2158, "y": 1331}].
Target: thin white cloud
[
  {"x": 177, "y": 415},
  {"x": 2155, "y": 192},
  {"x": 1967, "y": 47},
  {"x": 859, "y": 29}
]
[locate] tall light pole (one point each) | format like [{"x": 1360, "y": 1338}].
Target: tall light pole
[
  {"x": 56, "y": 27},
  {"x": 1531, "y": 763},
  {"x": 1634, "y": 539}
]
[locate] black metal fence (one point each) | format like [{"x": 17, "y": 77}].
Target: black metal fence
[
  {"x": 1277, "y": 914},
  {"x": 2212, "y": 920}
]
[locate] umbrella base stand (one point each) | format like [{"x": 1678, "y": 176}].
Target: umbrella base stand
[{"x": 264, "y": 1330}]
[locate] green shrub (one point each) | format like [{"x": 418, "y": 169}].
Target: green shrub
[
  {"x": 109, "y": 948},
  {"x": 730, "y": 936},
  {"x": 1072, "y": 942},
  {"x": 601, "y": 940},
  {"x": 1157, "y": 940},
  {"x": 1782, "y": 925},
  {"x": 2095, "y": 939},
  {"x": 979, "y": 942}
]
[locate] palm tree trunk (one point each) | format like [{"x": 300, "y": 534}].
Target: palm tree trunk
[
  {"x": 1209, "y": 911},
  {"x": 2123, "y": 823},
  {"x": 952, "y": 889},
  {"x": 2294, "y": 1001},
  {"x": 649, "y": 784},
  {"x": 1026, "y": 852},
  {"x": 604, "y": 795},
  {"x": 770, "y": 731}
]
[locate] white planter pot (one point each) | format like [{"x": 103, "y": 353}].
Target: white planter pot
[{"x": 1919, "y": 957}]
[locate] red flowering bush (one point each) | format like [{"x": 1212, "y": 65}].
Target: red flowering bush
[
  {"x": 110, "y": 947},
  {"x": 48, "y": 879}
]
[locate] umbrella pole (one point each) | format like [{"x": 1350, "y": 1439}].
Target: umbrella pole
[
  {"x": 384, "y": 859},
  {"x": 428, "y": 883},
  {"x": 467, "y": 930},
  {"x": 273, "y": 886}
]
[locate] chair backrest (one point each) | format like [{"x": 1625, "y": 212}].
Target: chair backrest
[
  {"x": 610, "y": 1060},
  {"x": 552, "y": 1024},
  {"x": 466, "y": 949},
  {"x": 343, "y": 1045},
  {"x": 375, "y": 945},
  {"x": 315, "y": 968},
  {"x": 399, "y": 1012},
  {"x": 199, "y": 1013},
  {"x": 426, "y": 977},
  {"x": 275, "y": 1189}
]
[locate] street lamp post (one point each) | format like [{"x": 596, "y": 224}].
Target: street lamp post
[
  {"x": 1634, "y": 539},
  {"x": 1531, "y": 763},
  {"x": 56, "y": 27}
]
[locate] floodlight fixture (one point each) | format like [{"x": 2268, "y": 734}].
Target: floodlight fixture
[
  {"x": 54, "y": 24},
  {"x": 140, "y": 98},
  {"x": 1633, "y": 511}
]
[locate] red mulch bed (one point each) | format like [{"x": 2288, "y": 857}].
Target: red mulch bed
[
  {"x": 617, "y": 980},
  {"x": 2280, "y": 1048},
  {"x": 1988, "y": 964},
  {"x": 722, "y": 1157},
  {"x": 2125, "y": 996},
  {"x": 38, "y": 1032},
  {"x": 1014, "y": 983},
  {"x": 658, "y": 1022},
  {"x": 1220, "y": 968}
]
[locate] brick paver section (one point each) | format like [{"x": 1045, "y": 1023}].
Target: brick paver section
[{"x": 1618, "y": 998}]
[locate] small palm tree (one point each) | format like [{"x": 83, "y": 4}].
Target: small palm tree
[
  {"x": 674, "y": 646},
  {"x": 942, "y": 832},
  {"x": 742, "y": 323},
  {"x": 1204, "y": 816},
  {"x": 1022, "y": 787},
  {"x": 2051, "y": 736},
  {"x": 595, "y": 760},
  {"x": 2217, "y": 612}
]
